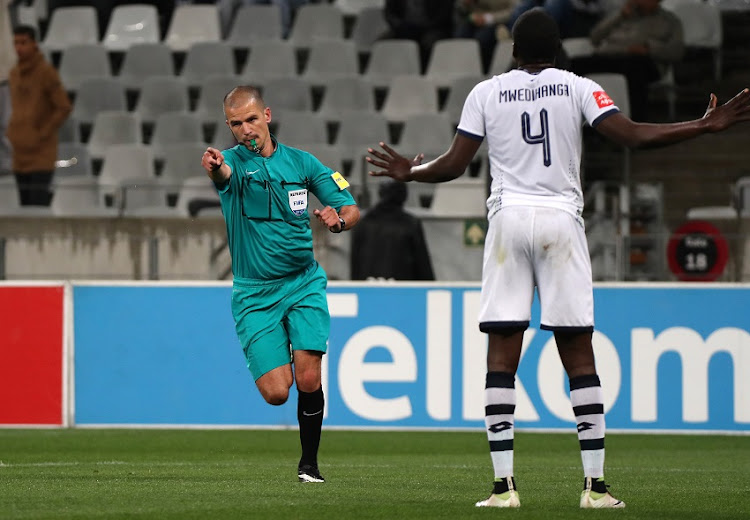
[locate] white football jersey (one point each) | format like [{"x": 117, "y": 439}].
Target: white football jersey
[{"x": 533, "y": 123}]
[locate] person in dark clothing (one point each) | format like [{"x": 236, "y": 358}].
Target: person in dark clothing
[
  {"x": 419, "y": 20},
  {"x": 389, "y": 242}
]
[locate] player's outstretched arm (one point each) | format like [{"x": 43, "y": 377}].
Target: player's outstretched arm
[
  {"x": 213, "y": 162},
  {"x": 450, "y": 165},
  {"x": 642, "y": 135}
]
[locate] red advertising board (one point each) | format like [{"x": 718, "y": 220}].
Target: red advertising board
[{"x": 31, "y": 355}]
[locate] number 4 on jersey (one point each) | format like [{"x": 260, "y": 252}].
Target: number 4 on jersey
[{"x": 540, "y": 138}]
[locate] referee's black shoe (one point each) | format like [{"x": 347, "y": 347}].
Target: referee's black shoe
[{"x": 309, "y": 473}]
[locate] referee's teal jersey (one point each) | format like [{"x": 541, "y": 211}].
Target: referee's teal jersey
[{"x": 265, "y": 205}]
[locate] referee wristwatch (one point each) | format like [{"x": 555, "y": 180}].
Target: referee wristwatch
[{"x": 342, "y": 223}]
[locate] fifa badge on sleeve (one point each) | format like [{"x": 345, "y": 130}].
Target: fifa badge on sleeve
[{"x": 340, "y": 181}]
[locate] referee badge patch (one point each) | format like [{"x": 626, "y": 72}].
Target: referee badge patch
[
  {"x": 602, "y": 99},
  {"x": 298, "y": 201},
  {"x": 340, "y": 181}
]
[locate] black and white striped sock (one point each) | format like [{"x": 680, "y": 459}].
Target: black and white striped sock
[
  {"x": 588, "y": 406},
  {"x": 499, "y": 410}
]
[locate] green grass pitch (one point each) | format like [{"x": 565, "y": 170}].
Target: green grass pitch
[{"x": 207, "y": 474}]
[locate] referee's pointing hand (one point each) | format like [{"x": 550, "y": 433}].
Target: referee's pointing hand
[{"x": 212, "y": 159}]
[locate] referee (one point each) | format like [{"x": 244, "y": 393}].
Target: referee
[{"x": 279, "y": 290}]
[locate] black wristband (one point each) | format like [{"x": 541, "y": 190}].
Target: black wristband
[{"x": 342, "y": 225}]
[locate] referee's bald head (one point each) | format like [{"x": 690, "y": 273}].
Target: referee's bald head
[
  {"x": 536, "y": 37},
  {"x": 241, "y": 94}
]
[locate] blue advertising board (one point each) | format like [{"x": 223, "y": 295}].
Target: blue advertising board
[{"x": 670, "y": 357}]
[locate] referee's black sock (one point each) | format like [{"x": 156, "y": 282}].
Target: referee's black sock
[{"x": 310, "y": 416}]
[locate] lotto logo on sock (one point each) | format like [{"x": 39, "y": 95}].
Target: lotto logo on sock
[{"x": 603, "y": 99}]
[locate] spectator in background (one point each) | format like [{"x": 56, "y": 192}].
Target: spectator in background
[
  {"x": 389, "y": 242},
  {"x": 40, "y": 105},
  {"x": 575, "y": 18},
  {"x": 481, "y": 19},
  {"x": 638, "y": 41},
  {"x": 421, "y": 20},
  {"x": 7, "y": 61}
]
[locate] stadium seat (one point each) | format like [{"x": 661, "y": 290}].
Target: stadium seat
[
  {"x": 197, "y": 188},
  {"x": 181, "y": 161},
  {"x": 502, "y": 58},
  {"x": 174, "y": 128},
  {"x": 210, "y": 105},
  {"x": 78, "y": 197},
  {"x": 346, "y": 94},
  {"x": 27, "y": 15},
  {"x": 222, "y": 137},
  {"x": 742, "y": 196},
  {"x": 70, "y": 131},
  {"x": 254, "y": 24},
  {"x": 369, "y": 26},
  {"x": 329, "y": 155},
  {"x": 454, "y": 58},
  {"x": 701, "y": 29},
  {"x": 269, "y": 60},
  {"x": 712, "y": 213},
  {"x": 70, "y": 26},
  {"x": 143, "y": 196},
  {"x": 81, "y": 62},
  {"x": 145, "y": 60},
  {"x": 297, "y": 128},
  {"x": 430, "y": 134},
  {"x": 204, "y": 59},
  {"x": 73, "y": 160},
  {"x": 459, "y": 89},
  {"x": 460, "y": 198},
  {"x": 161, "y": 94},
  {"x": 356, "y": 133},
  {"x": 192, "y": 23},
  {"x": 382, "y": 68},
  {"x": 130, "y": 25},
  {"x": 98, "y": 94},
  {"x": 122, "y": 162},
  {"x": 355, "y": 7},
  {"x": 287, "y": 94},
  {"x": 316, "y": 21},
  {"x": 578, "y": 47},
  {"x": 113, "y": 128},
  {"x": 330, "y": 59},
  {"x": 408, "y": 96}
]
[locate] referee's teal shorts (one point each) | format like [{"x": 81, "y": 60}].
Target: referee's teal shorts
[{"x": 275, "y": 317}]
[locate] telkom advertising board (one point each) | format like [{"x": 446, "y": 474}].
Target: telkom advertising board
[{"x": 670, "y": 357}]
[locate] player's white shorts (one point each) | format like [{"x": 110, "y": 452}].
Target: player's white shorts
[{"x": 529, "y": 246}]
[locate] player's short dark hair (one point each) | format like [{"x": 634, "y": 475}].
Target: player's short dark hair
[
  {"x": 536, "y": 37},
  {"x": 25, "y": 30},
  {"x": 245, "y": 91}
]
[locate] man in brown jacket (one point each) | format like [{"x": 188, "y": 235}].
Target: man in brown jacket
[{"x": 39, "y": 106}]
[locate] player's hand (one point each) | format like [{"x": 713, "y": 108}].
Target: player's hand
[
  {"x": 329, "y": 218},
  {"x": 733, "y": 111},
  {"x": 393, "y": 164},
  {"x": 212, "y": 160}
]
